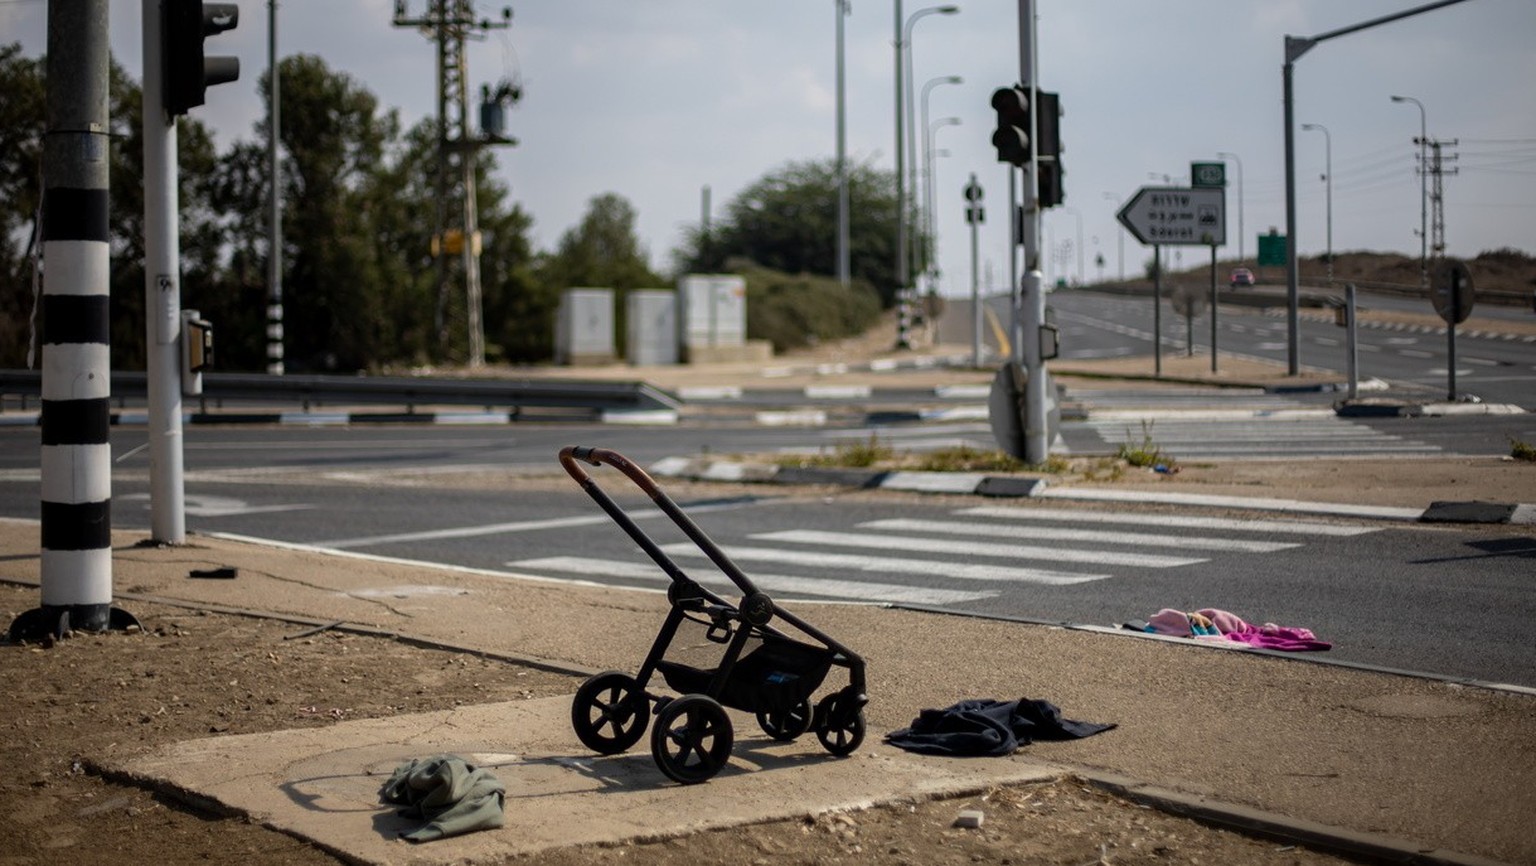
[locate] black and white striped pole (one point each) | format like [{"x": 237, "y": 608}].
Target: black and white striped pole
[{"x": 76, "y": 460}]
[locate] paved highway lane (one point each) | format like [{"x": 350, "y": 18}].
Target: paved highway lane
[{"x": 1489, "y": 365}]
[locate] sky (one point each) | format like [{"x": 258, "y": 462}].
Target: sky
[{"x": 656, "y": 99}]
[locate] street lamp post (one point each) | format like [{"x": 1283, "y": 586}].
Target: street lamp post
[
  {"x": 1233, "y": 157},
  {"x": 931, "y": 235},
  {"x": 1328, "y": 180},
  {"x": 903, "y": 135},
  {"x": 926, "y": 198},
  {"x": 1423, "y": 191}
]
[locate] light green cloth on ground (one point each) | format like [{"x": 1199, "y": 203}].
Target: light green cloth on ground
[{"x": 450, "y": 794}]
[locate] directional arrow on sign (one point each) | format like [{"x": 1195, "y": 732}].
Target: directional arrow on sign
[{"x": 1176, "y": 215}]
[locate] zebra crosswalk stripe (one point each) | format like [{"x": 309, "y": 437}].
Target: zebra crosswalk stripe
[
  {"x": 894, "y": 565},
  {"x": 776, "y": 583},
  {"x": 1170, "y": 520},
  {"x": 1058, "y": 533},
  {"x": 975, "y": 548}
]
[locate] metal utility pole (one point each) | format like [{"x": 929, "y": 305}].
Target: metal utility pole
[
  {"x": 76, "y": 458},
  {"x": 1295, "y": 47},
  {"x": 450, "y": 23},
  {"x": 903, "y": 314},
  {"x": 1037, "y": 440}
]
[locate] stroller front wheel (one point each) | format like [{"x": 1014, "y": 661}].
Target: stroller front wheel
[
  {"x": 840, "y": 733},
  {"x": 785, "y": 726},
  {"x": 610, "y": 712},
  {"x": 692, "y": 739}
]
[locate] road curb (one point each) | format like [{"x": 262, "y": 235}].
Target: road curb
[
  {"x": 1372, "y": 847},
  {"x": 1036, "y": 487},
  {"x": 1386, "y": 409}
]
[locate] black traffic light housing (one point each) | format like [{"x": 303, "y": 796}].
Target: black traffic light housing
[
  {"x": 1049, "y": 184},
  {"x": 185, "y": 70},
  {"x": 1011, "y": 137}
]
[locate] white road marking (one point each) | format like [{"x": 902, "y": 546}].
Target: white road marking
[
  {"x": 976, "y": 548},
  {"x": 896, "y": 565},
  {"x": 1171, "y": 520},
  {"x": 778, "y": 583},
  {"x": 1057, "y": 533}
]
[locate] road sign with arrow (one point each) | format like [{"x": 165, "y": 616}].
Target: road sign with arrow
[{"x": 1187, "y": 216}]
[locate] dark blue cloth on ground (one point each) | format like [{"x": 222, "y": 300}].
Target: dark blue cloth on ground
[{"x": 988, "y": 727}]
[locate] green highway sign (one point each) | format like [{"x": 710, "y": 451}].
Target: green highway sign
[
  {"x": 1208, "y": 174},
  {"x": 1272, "y": 249}
]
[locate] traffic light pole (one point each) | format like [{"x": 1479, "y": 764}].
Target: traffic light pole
[
  {"x": 1032, "y": 288},
  {"x": 162, "y": 294}
]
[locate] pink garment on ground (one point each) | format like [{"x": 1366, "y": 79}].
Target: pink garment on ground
[
  {"x": 1266, "y": 636},
  {"x": 1279, "y": 637}
]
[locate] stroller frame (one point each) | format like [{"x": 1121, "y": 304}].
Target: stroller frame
[{"x": 692, "y": 736}]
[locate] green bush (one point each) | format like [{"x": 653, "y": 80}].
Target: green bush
[{"x": 791, "y": 311}]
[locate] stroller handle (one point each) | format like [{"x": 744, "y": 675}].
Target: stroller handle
[
  {"x": 569, "y": 456},
  {"x": 600, "y": 456}
]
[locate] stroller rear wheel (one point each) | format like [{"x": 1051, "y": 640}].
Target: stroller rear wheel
[
  {"x": 785, "y": 726},
  {"x": 840, "y": 732},
  {"x": 610, "y": 712},
  {"x": 692, "y": 739}
]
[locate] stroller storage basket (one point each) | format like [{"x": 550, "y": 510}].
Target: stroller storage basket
[{"x": 776, "y": 677}]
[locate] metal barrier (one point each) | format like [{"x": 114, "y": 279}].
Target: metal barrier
[{"x": 403, "y": 391}]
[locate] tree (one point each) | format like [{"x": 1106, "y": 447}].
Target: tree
[
  {"x": 787, "y": 221},
  {"x": 604, "y": 252},
  {"x": 335, "y": 136},
  {"x": 22, "y": 116}
]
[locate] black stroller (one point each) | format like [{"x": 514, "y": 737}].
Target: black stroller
[{"x": 763, "y": 671}]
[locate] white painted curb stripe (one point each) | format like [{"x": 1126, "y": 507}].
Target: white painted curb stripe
[{"x": 933, "y": 482}]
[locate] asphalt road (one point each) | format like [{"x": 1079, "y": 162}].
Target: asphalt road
[{"x": 1450, "y": 601}]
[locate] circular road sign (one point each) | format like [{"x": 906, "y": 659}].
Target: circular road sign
[
  {"x": 1188, "y": 300},
  {"x": 1451, "y": 291}
]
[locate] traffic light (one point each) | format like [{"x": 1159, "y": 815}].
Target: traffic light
[
  {"x": 184, "y": 70},
  {"x": 1012, "y": 135},
  {"x": 1049, "y": 183}
]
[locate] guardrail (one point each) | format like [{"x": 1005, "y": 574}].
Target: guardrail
[{"x": 403, "y": 391}]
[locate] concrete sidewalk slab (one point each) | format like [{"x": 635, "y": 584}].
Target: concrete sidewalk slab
[{"x": 322, "y": 784}]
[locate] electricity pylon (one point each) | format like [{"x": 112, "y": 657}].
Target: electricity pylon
[{"x": 449, "y": 23}]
